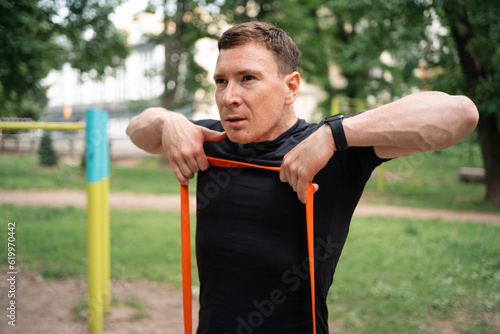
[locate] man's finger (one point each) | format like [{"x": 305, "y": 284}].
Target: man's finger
[
  {"x": 202, "y": 161},
  {"x": 211, "y": 135},
  {"x": 193, "y": 165},
  {"x": 302, "y": 191},
  {"x": 283, "y": 175},
  {"x": 178, "y": 174}
]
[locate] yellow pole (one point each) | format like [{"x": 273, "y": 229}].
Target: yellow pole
[
  {"x": 94, "y": 163},
  {"x": 94, "y": 251},
  {"x": 335, "y": 105},
  {"x": 381, "y": 179},
  {"x": 98, "y": 266},
  {"x": 106, "y": 260},
  {"x": 360, "y": 105}
]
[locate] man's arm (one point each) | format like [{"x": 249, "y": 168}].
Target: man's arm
[
  {"x": 159, "y": 131},
  {"x": 420, "y": 122}
]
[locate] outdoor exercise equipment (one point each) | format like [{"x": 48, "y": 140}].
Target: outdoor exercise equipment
[
  {"x": 97, "y": 176},
  {"x": 186, "y": 241}
]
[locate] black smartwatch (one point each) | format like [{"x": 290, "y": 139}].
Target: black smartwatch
[{"x": 335, "y": 123}]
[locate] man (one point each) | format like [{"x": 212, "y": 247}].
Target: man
[{"x": 250, "y": 238}]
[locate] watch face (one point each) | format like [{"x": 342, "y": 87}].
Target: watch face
[{"x": 333, "y": 118}]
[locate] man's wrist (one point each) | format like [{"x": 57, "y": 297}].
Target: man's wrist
[
  {"x": 163, "y": 118},
  {"x": 158, "y": 125},
  {"x": 337, "y": 130}
]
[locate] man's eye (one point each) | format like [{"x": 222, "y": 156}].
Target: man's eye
[
  {"x": 248, "y": 78},
  {"x": 220, "y": 81}
]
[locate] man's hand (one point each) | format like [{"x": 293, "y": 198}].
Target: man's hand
[
  {"x": 302, "y": 163},
  {"x": 182, "y": 143},
  {"x": 160, "y": 131}
]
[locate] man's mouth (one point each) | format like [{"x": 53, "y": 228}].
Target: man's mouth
[
  {"x": 235, "y": 122},
  {"x": 234, "y": 119}
]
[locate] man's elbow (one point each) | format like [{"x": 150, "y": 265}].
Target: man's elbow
[
  {"x": 461, "y": 120},
  {"x": 468, "y": 114},
  {"x": 128, "y": 130},
  {"x": 131, "y": 127}
]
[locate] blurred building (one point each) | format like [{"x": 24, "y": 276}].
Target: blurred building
[{"x": 133, "y": 82}]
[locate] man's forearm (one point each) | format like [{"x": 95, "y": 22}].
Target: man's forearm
[
  {"x": 145, "y": 129},
  {"x": 419, "y": 122}
]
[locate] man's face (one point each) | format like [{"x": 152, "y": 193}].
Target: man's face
[{"x": 254, "y": 102}]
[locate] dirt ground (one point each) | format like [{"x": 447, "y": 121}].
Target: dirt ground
[
  {"x": 49, "y": 306},
  {"x": 132, "y": 201}
]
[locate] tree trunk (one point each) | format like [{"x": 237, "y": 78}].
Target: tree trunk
[
  {"x": 174, "y": 46},
  {"x": 489, "y": 138},
  {"x": 488, "y": 128},
  {"x": 168, "y": 56}
]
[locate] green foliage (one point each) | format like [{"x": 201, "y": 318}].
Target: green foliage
[
  {"x": 47, "y": 156},
  {"x": 106, "y": 48},
  {"x": 28, "y": 51},
  {"x": 467, "y": 48},
  {"x": 187, "y": 22},
  {"x": 38, "y": 36}
]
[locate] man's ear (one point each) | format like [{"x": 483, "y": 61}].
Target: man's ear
[{"x": 292, "y": 82}]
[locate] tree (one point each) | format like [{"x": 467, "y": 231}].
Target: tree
[
  {"x": 47, "y": 156},
  {"x": 28, "y": 51},
  {"x": 473, "y": 40},
  {"x": 38, "y": 36},
  {"x": 185, "y": 23}
]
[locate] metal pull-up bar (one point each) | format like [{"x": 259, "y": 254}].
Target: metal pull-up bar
[{"x": 97, "y": 175}]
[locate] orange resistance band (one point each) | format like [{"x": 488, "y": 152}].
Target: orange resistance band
[{"x": 186, "y": 241}]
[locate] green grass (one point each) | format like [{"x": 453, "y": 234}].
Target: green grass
[
  {"x": 404, "y": 276},
  {"x": 147, "y": 177},
  {"x": 52, "y": 241},
  {"x": 21, "y": 171},
  {"x": 430, "y": 180},
  {"x": 395, "y": 275}
]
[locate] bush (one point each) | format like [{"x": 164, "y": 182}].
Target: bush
[{"x": 47, "y": 156}]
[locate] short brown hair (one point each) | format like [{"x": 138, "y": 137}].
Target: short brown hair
[{"x": 284, "y": 49}]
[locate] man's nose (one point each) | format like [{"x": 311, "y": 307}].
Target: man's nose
[{"x": 231, "y": 95}]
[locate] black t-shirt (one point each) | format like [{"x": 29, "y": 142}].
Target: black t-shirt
[{"x": 251, "y": 243}]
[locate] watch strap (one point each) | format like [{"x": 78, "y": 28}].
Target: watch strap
[{"x": 338, "y": 133}]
